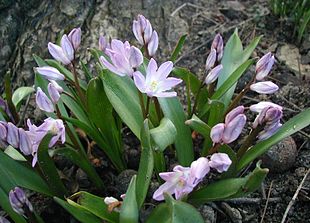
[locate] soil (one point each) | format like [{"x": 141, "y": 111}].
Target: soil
[{"x": 29, "y": 27}]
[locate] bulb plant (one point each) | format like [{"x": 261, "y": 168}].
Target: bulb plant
[{"x": 129, "y": 87}]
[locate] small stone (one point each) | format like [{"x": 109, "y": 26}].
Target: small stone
[
  {"x": 281, "y": 156},
  {"x": 208, "y": 214},
  {"x": 123, "y": 179},
  {"x": 82, "y": 178},
  {"x": 233, "y": 213}
]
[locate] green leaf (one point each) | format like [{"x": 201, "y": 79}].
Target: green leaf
[
  {"x": 129, "y": 211},
  {"x": 96, "y": 206},
  {"x": 78, "y": 212},
  {"x": 173, "y": 110},
  {"x": 78, "y": 159},
  {"x": 238, "y": 187},
  {"x": 232, "y": 79},
  {"x": 178, "y": 48},
  {"x": 292, "y": 126},
  {"x": 164, "y": 134},
  {"x": 48, "y": 167},
  {"x": 233, "y": 57},
  {"x": 191, "y": 81},
  {"x": 175, "y": 212},
  {"x": 21, "y": 93},
  {"x": 217, "y": 110},
  {"x": 146, "y": 165},
  {"x": 123, "y": 95},
  {"x": 21, "y": 175},
  {"x": 14, "y": 154}
]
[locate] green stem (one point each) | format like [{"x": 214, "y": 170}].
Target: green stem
[
  {"x": 214, "y": 149},
  {"x": 142, "y": 105},
  {"x": 147, "y": 106},
  {"x": 159, "y": 163},
  {"x": 157, "y": 108},
  {"x": 189, "y": 102},
  {"x": 77, "y": 84},
  {"x": 8, "y": 97},
  {"x": 249, "y": 141},
  {"x": 196, "y": 99},
  {"x": 211, "y": 89}
]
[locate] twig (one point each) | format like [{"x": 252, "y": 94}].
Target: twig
[
  {"x": 247, "y": 200},
  {"x": 267, "y": 201},
  {"x": 294, "y": 197}
]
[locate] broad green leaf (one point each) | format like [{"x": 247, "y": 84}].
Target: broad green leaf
[
  {"x": 217, "y": 110},
  {"x": 129, "y": 211},
  {"x": 96, "y": 206},
  {"x": 164, "y": 134},
  {"x": 23, "y": 176},
  {"x": 173, "y": 110},
  {"x": 14, "y": 154},
  {"x": 292, "y": 126},
  {"x": 21, "y": 93},
  {"x": 178, "y": 48},
  {"x": 123, "y": 95},
  {"x": 233, "y": 57},
  {"x": 146, "y": 165},
  {"x": 48, "y": 167},
  {"x": 6, "y": 206},
  {"x": 191, "y": 81},
  {"x": 81, "y": 161},
  {"x": 78, "y": 212},
  {"x": 232, "y": 79},
  {"x": 174, "y": 212},
  {"x": 238, "y": 187}
]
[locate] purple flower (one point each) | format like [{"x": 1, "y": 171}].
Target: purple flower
[
  {"x": 12, "y": 135},
  {"x": 75, "y": 37},
  {"x": 43, "y": 102},
  {"x": 25, "y": 144},
  {"x": 270, "y": 117},
  {"x": 36, "y": 134},
  {"x": 142, "y": 29},
  {"x": 124, "y": 58},
  {"x": 230, "y": 130},
  {"x": 19, "y": 202},
  {"x": 63, "y": 53},
  {"x": 264, "y": 87},
  {"x": 54, "y": 91},
  {"x": 156, "y": 83},
  {"x": 199, "y": 169},
  {"x": 104, "y": 44},
  {"x": 220, "y": 161},
  {"x": 213, "y": 74},
  {"x": 211, "y": 59},
  {"x": 153, "y": 44},
  {"x": 264, "y": 65},
  {"x": 50, "y": 73},
  {"x": 263, "y": 104},
  {"x": 218, "y": 45},
  {"x": 3, "y": 131},
  {"x": 3, "y": 220}
]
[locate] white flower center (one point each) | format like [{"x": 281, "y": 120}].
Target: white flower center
[{"x": 153, "y": 85}]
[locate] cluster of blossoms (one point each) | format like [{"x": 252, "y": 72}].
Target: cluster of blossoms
[
  {"x": 29, "y": 141},
  {"x": 183, "y": 180}
]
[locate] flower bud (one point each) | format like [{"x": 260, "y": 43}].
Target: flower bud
[
  {"x": 43, "y": 102},
  {"x": 264, "y": 65},
  {"x": 103, "y": 43},
  {"x": 50, "y": 73},
  {"x": 233, "y": 113},
  {"x": 19, "y": 201},
  {"x": 110, "y": 200},
  {"x": 269, "y": 131},
  {"x": 263, "y": 104},
  {"x": 58, "y": 53},
  {"x": 218, "y": 45},
  {"x": 199, "y": 169},
  {"x": 136, "y": 57},
  {"x": 211, "y": 60},
  {"x": 12, "y": 135},
  {"x": 220, "y": 161},
  {"x": 75, "y": 37},
  {"x": 234, "y": 128},
  {"x": 153, "y": 44},
  {"x": 25, "y": 144},
  {"x": 216, "y": 133},
  {"x": 213, "y": 74},
  {"x": 54, "y": 91},
  {"x": 142, "y": 30},
  {"x": 67, "y": 47},
  {"x": 264, "y": 87}
]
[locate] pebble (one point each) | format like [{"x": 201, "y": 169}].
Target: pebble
[
  {"x": 123, "y": 179},
  {"x": 233, "y": 213},
  {"x": 281, "y": 156},
  {"x": 208, "y": 214}
]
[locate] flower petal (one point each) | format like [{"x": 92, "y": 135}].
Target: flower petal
[
  {"x": 139, "y": 81},
  {"x": 234, "y": 128}
]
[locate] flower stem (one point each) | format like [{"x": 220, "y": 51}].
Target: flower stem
[
  {"x": 157, "y": 108},
  {"x": 142, "y": 105},
  {"x": 249, "y": 141},
  {"x": 196, "y": 99},
  {"x": 214, "y": 149},
  {"x": 77, "y": 84}
]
